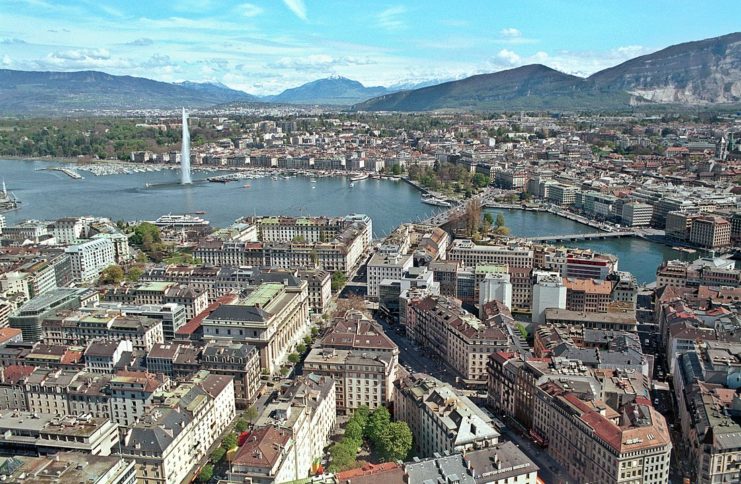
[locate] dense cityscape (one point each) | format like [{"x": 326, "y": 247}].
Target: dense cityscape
[{"x": 513, "y": 274}]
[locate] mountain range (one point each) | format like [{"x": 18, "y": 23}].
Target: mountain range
[
  {"x": 702, "y": 72},
  {"x": 705, "y": 72}
]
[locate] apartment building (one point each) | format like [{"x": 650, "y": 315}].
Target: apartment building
[
  {"x": 240, "y": 361},
  {"x": 28, "y": 433},
  {"x": 172, "y": 315},
  {"x": 441, "y": 325},
  {"x": 386, "y": 266},
  {"x": 710, "y": 232},
  {"x": 548, "y": 292},
  {"x": 440, "y": 419},
  {"x": 178, "y": 431},
  {"x": 78, "y": 328},
  {"x": 705, "y": 404},
  {"x": 595, "y": 443},
  {"x": 273, "y": 318},
  {"x": 362, "y": 360},
  {"x": 290, "y": 434},
  {"x": 193, "y": 299},
  {"x": 90, "y": 258},
  {"x": 587, "y": 295},
  {"x": 636, "y": 214},
  {"x": 471, "y": 254}
]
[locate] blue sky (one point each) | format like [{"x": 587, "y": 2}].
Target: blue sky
[{"x": 263, "y": 47}]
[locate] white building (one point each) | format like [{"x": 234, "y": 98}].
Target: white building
[
  {"x": 386, "y": 266},
  {"x": 549, "y": 291},
  {"x": 90, "y": 258},
  {"x": 495, "y": 287}
]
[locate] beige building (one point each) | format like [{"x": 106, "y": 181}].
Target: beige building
[
  {"x": 386, "y": 266},
  {"x": 471, "y": 254},
  {"x": 710, "y": 232},
  {"x": 440, "y": 419},
  {"x": 274, "y": 318},
  {"x": 441, "y": 325},
  {"x": 361, "y": 359},
  {"x": 179, "y": 429},
  {"x": 290, "y": 435}
]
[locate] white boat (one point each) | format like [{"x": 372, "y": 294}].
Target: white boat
[
  {"x": 352, "y": 184},
  {"x": 438, "y": 202},
  {"x": 362, "y": 176},
  {"x": 312, "y": 180},
  {"x": 180, "y": 221}
]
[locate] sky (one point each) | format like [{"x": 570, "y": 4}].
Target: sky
[{"x": 265, "y": 46}]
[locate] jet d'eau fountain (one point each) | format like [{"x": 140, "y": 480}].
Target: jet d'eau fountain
[{"x": 185, "y": 153}]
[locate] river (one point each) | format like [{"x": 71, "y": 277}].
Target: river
[
  {"x": 49, "y": 195},
  {"x": 638, "y": 256}
]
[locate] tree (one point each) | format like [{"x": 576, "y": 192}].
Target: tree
[
  {"x": 112, "y": 275},
  {"x": 229, "y": 442},
  {"x": 502, "y": 231},
  {"x": 294, "y": 358},
  {"x": 339, "y": 279},
  {"x": 240, "y": 426},
  {"x": 300, "y": 348},
  {"x": 395, "y": 442},
  {"x": 134, "y": 274},
  {"x": 145, "y": 232},
  {"x": 354, "y": 431},
  {"x": 489, "y": 218},
  {"x": 251, "y": 414},
  {"x": 308, "y": 339},
  {"x": 472, "y": 216},
  {"x": 499, "y": 221},
  {"x": 378, "y": 420},
  {"x": 207, "y": 472},
  {"x": 343, "y": 456},
  {"x": 218, "y": 454},
  {"x": 480, "y": 181},
  {"x": 521, "y": 328}
]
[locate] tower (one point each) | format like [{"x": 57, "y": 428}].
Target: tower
[{"x": 185, "y": 153}]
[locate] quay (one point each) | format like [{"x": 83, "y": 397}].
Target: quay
[
  {"x": 70, "y": 173},
  {"x": 588, "y": 236}
]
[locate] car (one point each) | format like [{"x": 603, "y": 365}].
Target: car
[{"x": 656, "y": 401}]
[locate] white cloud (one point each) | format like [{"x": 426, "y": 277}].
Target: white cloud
[
  {"x": 509, "y": 57},
  {"x": 392, "y": 18},
  {"x": 248, "y": 10},
  {"x": 7, "y": 61},
  {"x": 140, "y": 42},
  {"x": 298, "y": 7},
  {"x": 319, "y": 61},
  {"x": 510, "y": 32}
]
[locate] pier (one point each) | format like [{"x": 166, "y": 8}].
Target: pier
[{"x": 67, "y": 171}]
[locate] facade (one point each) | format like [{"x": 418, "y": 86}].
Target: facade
[
  {"x": 26, "y": 433},
  {"x": 179, "y": 429},
  {"x": 441, "y": 326},
  {"x": 273, "y": 318},
  {"x": 193, "y": 299},
  {"x": 90, "y": 258},
  {"x": 587, "y": 295},
  {"x": 386, "y": 266},
  {"x": 290, "y": 435},
  {"x": 80, "y": 328},
  {"x": 30, "y": 316},
  {"x": 238, "y": 360},
  {"x": 172, "y": 315},
  {"x": 710, "y": 232},
  {"x": 440, "y": 420},
  {"x": 636, "y": 214},
  {"x": 549, "y": 292},
  {"x": 471, "y": 254}
]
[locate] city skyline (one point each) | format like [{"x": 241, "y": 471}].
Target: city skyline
[{"x": 263, "y": 47}]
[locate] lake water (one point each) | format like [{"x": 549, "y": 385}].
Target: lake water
[
  {"x": 50, "y": 195},
  {"x": 638, "y": 256}
]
